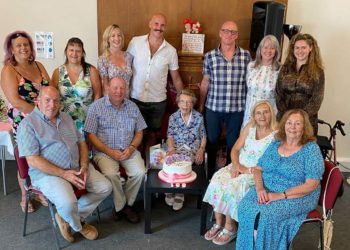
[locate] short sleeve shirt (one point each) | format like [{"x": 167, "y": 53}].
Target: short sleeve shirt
[
  {"x": 57, "y": 143},
  {"x": 227, "y": 80},
  {"x": 189, "y": 135},
  {"x": 150, "y": 72},
  {"x": 115, "y": 128}
]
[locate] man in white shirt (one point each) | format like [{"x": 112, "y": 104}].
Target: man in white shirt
[{"x": 153, "y": 59}]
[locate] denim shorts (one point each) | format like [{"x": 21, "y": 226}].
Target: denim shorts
[{"x": 152, "y": 112}]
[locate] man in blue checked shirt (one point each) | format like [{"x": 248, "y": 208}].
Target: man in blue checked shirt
[
  {"x": 223, "y": 91},
  {"x": 115, "y": 126},
  {"x": 57, "y": 156}
]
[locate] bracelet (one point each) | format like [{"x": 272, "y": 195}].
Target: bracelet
[
  {"x": 134, "y": 147},
  {"x": 285, "y": 195}
]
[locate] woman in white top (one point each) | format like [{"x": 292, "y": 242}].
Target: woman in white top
[{"x": 262, "y": 75}]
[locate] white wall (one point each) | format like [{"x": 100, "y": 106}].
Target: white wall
[
  {"x": 65, "y": 18},
  {"x": 328, "y": 21}
]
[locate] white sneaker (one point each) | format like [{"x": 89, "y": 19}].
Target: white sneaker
[
  {"x": 169, "y": 199},
  {"x": 178, "y": 201}
]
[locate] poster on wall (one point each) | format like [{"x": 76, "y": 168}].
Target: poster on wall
[{"x": 44, "y": 45}]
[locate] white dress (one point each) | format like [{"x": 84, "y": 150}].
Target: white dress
[
  {"x": 261, "y": 83},
  {"x": 224, "y": 193}
]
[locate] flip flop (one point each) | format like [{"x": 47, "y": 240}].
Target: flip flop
[
  {"x": 224, "y": 233},
  {"x": 30, "y": 207},
  {"x": 213, "y": 232}
]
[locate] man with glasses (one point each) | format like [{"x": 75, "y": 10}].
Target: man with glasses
[{"x": 223, "y": 91}]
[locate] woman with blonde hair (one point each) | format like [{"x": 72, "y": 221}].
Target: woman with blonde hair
[
  {"x": 114, "y": 62},
  {"x": 230, "y": 184},
  {"x": 301, "y": 81}
]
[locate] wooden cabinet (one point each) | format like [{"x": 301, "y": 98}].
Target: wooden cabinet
[{"x": 190, "y": 68}]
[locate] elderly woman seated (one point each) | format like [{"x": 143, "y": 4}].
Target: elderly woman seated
[
  {"x": 186, "y": 135},
  {"x": 287, "y": 186},
  {"x": 230, "y": 184}
]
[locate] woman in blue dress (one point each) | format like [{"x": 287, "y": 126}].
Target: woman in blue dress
[{"x": 287, "y": 187}]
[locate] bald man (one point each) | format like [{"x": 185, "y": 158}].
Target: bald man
[
  {"x": 223, "y": 91},
  {"x": 57, "y": 156},
  {"x": 153, "y": 59}
]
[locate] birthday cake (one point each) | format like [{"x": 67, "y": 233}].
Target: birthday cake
[{"x": 177, "y": 168}]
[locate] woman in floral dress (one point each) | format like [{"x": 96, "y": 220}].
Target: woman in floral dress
[
  {"x": 78, "y": 83},
  {"x": 21, "y": 80},
  {"x": 114, "y": 62},
  {"x": 230, "y": 184},
  {"x": 262, "y": 75}
]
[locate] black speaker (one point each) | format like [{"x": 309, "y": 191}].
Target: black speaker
[{"x": 267, "y": 19}]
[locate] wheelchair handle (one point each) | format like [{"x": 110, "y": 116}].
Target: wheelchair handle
[{"x": 339, "y": 125}]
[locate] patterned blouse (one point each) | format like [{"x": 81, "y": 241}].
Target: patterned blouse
[
  {"x": 261, "y": 83},
  {"x": 295, "y": 91},
  {"x": 187, "y": 136},
  {"x": 75, "y": 98},
  {"x": 110, "y": 70}
]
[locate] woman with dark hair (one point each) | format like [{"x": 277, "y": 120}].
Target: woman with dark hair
[
  {"x": 77, "y": 81},
  {"x": 301, "y": 81},
  {"x": 21, "y": 80},
  {"x": 114, "y": 62},
  {"x": 287, "y": 186}
]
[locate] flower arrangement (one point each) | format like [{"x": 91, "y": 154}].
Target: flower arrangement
[{"x": 192, "y": 27}]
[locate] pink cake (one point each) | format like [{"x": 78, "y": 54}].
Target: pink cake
[{"x": 177, "y": 168}]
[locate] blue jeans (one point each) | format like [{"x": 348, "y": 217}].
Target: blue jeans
[
  {"x": 60, "y": 192},
  {"x": 214, "y": 123}
]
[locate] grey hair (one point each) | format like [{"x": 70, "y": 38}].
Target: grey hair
[{"x": 275, "y": 44}]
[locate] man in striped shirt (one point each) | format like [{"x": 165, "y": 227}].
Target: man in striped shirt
[{"x": 223, "y": 91}]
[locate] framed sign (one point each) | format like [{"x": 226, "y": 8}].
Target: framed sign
[{"x": 193, "y": 43}]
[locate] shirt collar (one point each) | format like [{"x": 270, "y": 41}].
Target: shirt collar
[
  {"x": 107, "y": 102},
  {"x": 44, "y": 117},
  {"x": 219, "y": 53}
]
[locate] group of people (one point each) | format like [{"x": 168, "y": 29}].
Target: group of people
[
  {"x": 110, "y": 106},
  {"x": 272, "y": 176}
]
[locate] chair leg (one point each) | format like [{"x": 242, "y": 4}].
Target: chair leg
[
  {"x": 26, "y": 213},
  {"x": 54, "y": 224},
  {"x": 321, "y": 235},
  {"x": 98, "y": 215}
]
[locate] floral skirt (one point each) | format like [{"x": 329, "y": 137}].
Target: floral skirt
[{"x": 224, "y": 192}]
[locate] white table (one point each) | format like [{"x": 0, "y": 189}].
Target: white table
[{"x": 6, "y": 143}]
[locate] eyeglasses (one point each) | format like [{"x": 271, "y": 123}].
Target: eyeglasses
[{"x": 231, "y": 32}]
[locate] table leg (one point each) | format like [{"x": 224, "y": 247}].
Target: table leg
[
  {"x": 148, "y": 207},
  {"x": 204, "y": 211},
  {"x": 3, "y": 166}
]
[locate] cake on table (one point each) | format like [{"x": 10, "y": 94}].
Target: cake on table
[{"x": 177, "y": 169}]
